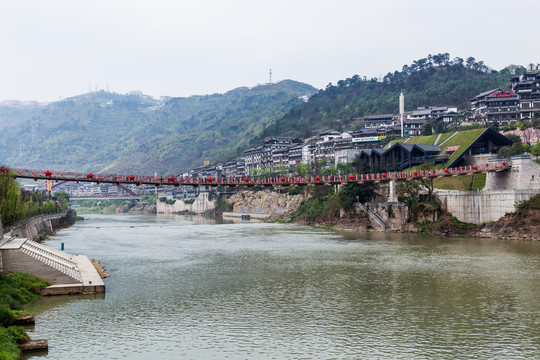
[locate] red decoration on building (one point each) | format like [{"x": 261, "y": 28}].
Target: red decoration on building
[
  {"x": 504, "y": 163},
  {"x": 416, "y": 173},
  {"x": 351, "y": 177},
  {"x": 475, "y": 167},
  {"x": 383, "y": 175},
  {"x": 282, "y": 179},
  {"x": 131, "y": 178},
  {"x": 446, "y": 171},
  {"x": 171, "y": 179},
  {"x": 209, "y": 179},
  {"x": 317, "y": 178},
  {"x": 246, "y": 179},
  {"x": 90, "y": 176},
  {"x": 47, "y": 173}
]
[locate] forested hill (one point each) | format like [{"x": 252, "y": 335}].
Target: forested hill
[
  {"x": 134, "y": 133},
  {"x": 433, "y": 81}
]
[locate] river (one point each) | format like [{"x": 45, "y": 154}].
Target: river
[{"x": 191, "y": 288}]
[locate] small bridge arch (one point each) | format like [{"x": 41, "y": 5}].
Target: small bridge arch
[{"x": 131, "y": 193}]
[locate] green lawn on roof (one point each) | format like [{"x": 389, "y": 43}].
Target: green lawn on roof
[
  {"x": 463, "y": 139},
  {"x": 423, "y": 140}
]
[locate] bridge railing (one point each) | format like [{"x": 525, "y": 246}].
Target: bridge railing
[{"x": 254, "y": 181}]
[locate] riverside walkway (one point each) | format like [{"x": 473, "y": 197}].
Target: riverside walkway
[{"x": 237, "y": 181}]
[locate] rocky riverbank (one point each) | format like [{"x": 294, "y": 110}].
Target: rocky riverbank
[{"x": 524, "y": 224}]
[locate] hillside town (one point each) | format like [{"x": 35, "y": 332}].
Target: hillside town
[
  {"x": 370, "y": 146},
  {"x": 493, "y": 108}
]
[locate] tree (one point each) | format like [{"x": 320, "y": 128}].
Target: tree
[
  {"x": 536, "y": 150},
  {"x": 427, "y": 129},
  {"x": 427, "y": 183},
  {"x": 517, "y": 148},
  {"x": 351, "y": 193},
  {"x": 302, "y": 169},
  {"x": 515, "y": 138},
  {"x": 504, "y": 152}
]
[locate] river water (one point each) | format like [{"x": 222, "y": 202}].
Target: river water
[{"x": 190, "y": 288}]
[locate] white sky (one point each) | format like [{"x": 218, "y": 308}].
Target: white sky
[{"x": 56, "y": 48}]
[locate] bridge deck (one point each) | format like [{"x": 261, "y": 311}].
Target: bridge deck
[{"x": 256, "y": 181}]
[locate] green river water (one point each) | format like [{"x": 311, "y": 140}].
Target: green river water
[{"x": 191, "y": 288}]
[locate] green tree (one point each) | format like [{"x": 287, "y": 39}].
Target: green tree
[
  {"x": 504, "y": 152},
  {"x": 536, "y": 150},
  {"x": 517, "y": 148},
  {"x": 302, "y": 169}
]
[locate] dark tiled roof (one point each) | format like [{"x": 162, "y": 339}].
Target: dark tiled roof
[{"x": 429, "y": 148}]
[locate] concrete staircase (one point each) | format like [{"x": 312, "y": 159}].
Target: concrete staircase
[
  {"x": 373, "y": 215},
  {"x": 53, "y": 258}
]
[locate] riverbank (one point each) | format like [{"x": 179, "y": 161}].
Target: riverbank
[
  {"x": 16, "y": 290},
  {"x": 125, "y": 208},
  {"x": 331, "y": 212}
]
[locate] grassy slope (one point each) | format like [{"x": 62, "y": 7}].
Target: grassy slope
[{"x": 15, "y": 291}]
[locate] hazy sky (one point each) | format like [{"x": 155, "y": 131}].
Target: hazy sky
[{"x": 56, "y": 48}]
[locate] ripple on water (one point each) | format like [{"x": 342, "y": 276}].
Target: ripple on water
[{"x": 189, "y": 288}]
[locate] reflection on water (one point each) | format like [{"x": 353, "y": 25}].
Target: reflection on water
[{"x": 187, "y": 287}]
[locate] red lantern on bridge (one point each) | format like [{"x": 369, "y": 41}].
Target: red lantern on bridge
[
  {"x": 416, "y": 173},
  {"x": 504, "y": 163},
  {"x": 209, "y": 179},
  {"x": 90, "y": 176},
  {"x": 475, "y": 167},
  {"x": 246, "y": 179},
  {"x": 131, "y": 178},
  {"x": 47, "y": 173},
  {"x": 171, "y": 179},
  {"x": 282, "y": 179},
  {"x": 351, "y": 177},
  {"x": 384, "y": 175},
  {"x": 446, "y": 171},
  {"x": 317, "y": 178}
]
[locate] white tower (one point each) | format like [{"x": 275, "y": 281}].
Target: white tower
[{"x": 402, "y": 110}]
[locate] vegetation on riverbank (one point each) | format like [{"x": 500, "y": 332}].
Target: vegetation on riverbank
[
  {"x": 326, "y": 206},
  {"x": 17, "y": 205},
  {"x": 16, "y": 289},
  {"x": 145, "y": 205}
]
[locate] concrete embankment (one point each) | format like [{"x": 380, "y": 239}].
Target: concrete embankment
[
  {"x": 68, "y": 274},
  {"x": 40, "y": 225}
]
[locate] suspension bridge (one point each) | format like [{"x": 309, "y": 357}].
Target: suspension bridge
[{"x": 245, "y": 181}]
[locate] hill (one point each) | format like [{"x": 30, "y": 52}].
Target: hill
[
  {"x": 109, "y": 132},
  {"x": 432, "y": 81}
]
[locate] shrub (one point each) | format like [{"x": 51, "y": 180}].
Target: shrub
[
  {"x": 19, "y": 334},
  {"x": 8, "y": 345}
]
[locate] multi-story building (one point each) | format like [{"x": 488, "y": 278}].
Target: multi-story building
[
  {"x": 252, "y": 159},
  {"x": 497, "y": 105},
  {"x": 375, "y": 121},
  {"x": 527, "y": 88}
]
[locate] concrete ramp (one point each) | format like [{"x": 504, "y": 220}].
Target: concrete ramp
[
  {"x": 56, "y": 259},
  {"x": 68, "y": 274}
]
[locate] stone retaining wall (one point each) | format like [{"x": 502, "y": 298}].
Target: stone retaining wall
[{"x": 479, "y": 207}]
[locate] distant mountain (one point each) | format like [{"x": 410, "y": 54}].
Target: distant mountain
[
  {"x": 135, "y": 133},
  {"x": 433, "y": 81}
]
